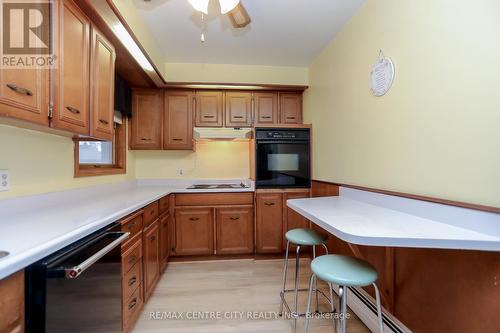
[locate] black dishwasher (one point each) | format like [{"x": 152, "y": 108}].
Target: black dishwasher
[{"x": 77, "y": 289}]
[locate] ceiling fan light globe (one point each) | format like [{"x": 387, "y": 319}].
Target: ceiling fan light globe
[
  {"x": 228, "y": 5},
  {"x": 200, "y": 5}
]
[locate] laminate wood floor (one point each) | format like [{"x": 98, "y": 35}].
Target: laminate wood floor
[{"x": 246, "y": 290}]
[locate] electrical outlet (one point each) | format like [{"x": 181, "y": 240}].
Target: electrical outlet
[
  {"x": 4, "y": 180},
  {"x": 181, "y": 172}
]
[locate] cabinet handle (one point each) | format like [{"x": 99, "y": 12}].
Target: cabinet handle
[
  {"x": 73, "y": 110},
  {"x": 290, "y": 117},
  {"x": 132, "y": 281},
  {"x": 266, "y": 117},
  {"x": 105, "y": 122},
  {"x": 131, "y": 225},
  {"x": 132, "y": 259},
  {"x": 151, "y": 212},
  {"x": 146, "y": 139},
  {"x": 208, "y": 116},
  {"x": 132, "y": 304},
  {"x": 269, "y": 203},
  {"x": 235, "y": 218},
  {"x": 238, "y": 117},
  {"x": 194, "y": 218},
  {"x": 153, "y": 238},
  {"x": 177, "y": 139},
  {"x": 19, "y": 90}
]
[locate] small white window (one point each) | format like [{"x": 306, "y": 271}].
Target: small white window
[{"x": 96, "y": 152}]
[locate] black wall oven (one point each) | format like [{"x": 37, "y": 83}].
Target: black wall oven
[{"x": 282, "y": 157}]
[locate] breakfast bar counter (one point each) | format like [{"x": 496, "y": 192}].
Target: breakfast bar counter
[{"x": 366, "y": 218}]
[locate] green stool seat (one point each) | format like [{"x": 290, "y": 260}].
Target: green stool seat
[
  {"x": 304, "y": 237},
  {"x": 344, "y": 270}
]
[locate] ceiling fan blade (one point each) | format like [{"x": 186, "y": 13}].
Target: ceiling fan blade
[{"x": 239, "y": 16}]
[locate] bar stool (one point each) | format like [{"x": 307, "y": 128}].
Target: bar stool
[
  {"x": 346, "y": 272},
  {"x": 300, "y": 237}
]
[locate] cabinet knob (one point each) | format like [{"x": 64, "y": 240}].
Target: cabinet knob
[
  {"x": 19, "y": 90},
  {"x": 132, "y": 259},
  {"x": 153, "y": 238}
]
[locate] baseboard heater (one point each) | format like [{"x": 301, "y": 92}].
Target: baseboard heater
[{"x": 365, "y": 308}]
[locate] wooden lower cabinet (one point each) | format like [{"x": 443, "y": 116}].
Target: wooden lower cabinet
[
  {"x": 269, "y": 222},
  {"x": 235, "y": 232},
  {"x": 194, "y": 231},
  {"x": 164, "y": 240},
  {"x": 151, "y": 257},
  {"x": 292, "y": 219},
  {"x": 132, "y": 277},
  {"x": 12, "y": 303}
]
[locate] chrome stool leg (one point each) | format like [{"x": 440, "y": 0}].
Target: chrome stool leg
[
  {"x": 297, "y": 264},
  {"x": 285, "y": 267},
  {"x": 316, "y": 282},
  {"x": 379, "y": 309},
  {"x": 312, "y": 281},
  {"x": 330, "y": 288},
  {"x": 342, "y": 308}
]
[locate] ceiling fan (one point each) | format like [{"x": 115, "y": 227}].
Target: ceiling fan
[{"x": 234, "y": 9}]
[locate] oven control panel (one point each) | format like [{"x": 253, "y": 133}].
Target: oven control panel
[{"x": 282, "y": 134}]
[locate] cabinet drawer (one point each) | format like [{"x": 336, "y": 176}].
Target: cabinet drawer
[
  {"x": 150, "y": 213},
  {"x": 164, "y": 204},
  {"x": 132, "y": 224},
  {"x": 132, "y": 280},
  {"x": 131, "y": 308},
  {"x": 132, "y": 256},
  {"x": 211, "y": 199}
]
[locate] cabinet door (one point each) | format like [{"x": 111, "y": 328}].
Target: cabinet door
[
  {"x": 234, "y": 227},
  {"x": 71, "y": 83},
  {"x": 12, "y": 303},
  {"x": 291, "y": 108},
  {"x": 269, "y": 223},
  {"x": 102, "y": 83},
  {"x": 151, "y": 257},
  {"x": 164, "y": 239},
  {"x": 293, "y": 220},
  {"x": 209, "y": 109},
  {"x": 239, "y": 109},
  {"x": 194, "y": 231},
  {"x": 266, "y": 108},
  {"x": 145, "y": 124},
  {"x": 178, "y": 119}
]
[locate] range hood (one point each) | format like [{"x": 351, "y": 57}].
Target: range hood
[{"x": 222, "y": 134}]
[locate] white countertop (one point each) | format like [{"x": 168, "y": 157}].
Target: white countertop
[
  {"x": 33, "y": 227},
  {"x": 364, "y": 218}
]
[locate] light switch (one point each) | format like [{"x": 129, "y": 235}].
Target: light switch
[{"x": 4, "y": 180}]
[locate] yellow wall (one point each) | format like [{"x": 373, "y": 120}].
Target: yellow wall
[
  {"x": 229, "y": 160},
  {"x": 40, "y": 162},
  {"x": 220, "y": 73},
  {"x": 437, "y": 132}
]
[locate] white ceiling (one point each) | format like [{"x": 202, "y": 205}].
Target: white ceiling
[{"x": 282, "y": 32}]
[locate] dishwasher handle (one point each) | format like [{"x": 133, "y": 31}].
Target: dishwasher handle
[{"x": 75, "y": 271}]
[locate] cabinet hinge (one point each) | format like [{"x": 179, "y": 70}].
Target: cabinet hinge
[{"x": 51, "y": 111}]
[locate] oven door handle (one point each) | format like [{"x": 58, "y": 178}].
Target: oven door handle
[{"x": 75, "y": 271}]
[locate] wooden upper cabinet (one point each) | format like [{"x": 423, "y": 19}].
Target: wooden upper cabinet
[
  {"x": 145, "y": 124},
  {"x": 24, "y": 94},
  {"x": 194, "y": 231},
  {"x": 291, "y": 108},
  {"x": 234, "y": 227},
  {"x": 266, "y": 108},
  {"x": 178, "y": 120},
  {"x": 269, "y": 222},
  {"x": 102, "y": 83},
  {"x": 12, "y": 303},
  {"x": 238, "y": 109},
  {"x": 71, "y": 78},
  {"x": 209, "y": 108}
]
